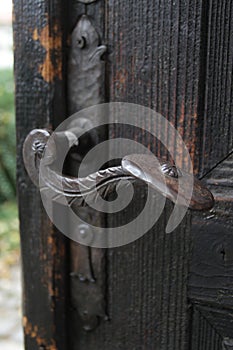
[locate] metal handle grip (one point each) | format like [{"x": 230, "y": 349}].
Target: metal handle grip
[{"x": 143, "y": 169}]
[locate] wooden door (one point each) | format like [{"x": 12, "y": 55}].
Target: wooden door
[{"x": 162, "y": 291}]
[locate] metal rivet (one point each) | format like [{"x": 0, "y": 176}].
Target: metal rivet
[
  {"x": 85, "y": 234},
  {"x": 170, "y": 170},
  {"x": 81, "y": 42}
]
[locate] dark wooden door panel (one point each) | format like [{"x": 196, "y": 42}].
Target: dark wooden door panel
[
  {"x": 217, "y": 108},
  {"x": 211, "y": 269},
  {"x": 203, "y": 335},
  {"x": 211, "y": 278},
  {"x": 155, "y": 61},
  {"x": 172, "y": 56},
  {"x": 39, "y": 51}
]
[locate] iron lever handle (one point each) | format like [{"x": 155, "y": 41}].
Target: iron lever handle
[
  {"x": 88, "y": 292},
  {"x": 143, "y": 169}
]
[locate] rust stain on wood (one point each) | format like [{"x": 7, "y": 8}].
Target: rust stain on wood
[
  {"x": 120, "y": 80},
  {"x": 52, "y": 245},
  {"x": 48, "y": 256},
  {"x": 187, "y": 128},
  {"x": 48, "y": 281},
  {"x": 34, "y": 331},
  {"x": 51, "y": 40},
  {"x": 192, "y": 141},
  {"x": 50, "y": 277}
]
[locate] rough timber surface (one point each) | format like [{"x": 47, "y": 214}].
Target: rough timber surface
[{"x": 39, "y": 71}]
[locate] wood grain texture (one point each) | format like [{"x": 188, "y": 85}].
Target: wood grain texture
[
  {"x": 211, "y": 272},
  {"x": 211, "y": 269},
  {"x": 153, "y": 46},
  {"x": 155, "y": 61},
  {"x": 203, "y": 335},
  {"x": 180, "y": 57},
  {"x": 218, "y": 77},
  {"x": 39, "y": 42},
  {"x": 220, "y": 181}
]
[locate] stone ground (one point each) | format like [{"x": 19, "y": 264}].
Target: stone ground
[{"x": 11, "y": 334}]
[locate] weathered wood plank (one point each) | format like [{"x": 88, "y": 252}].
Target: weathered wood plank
[
  {"x": 211, "y": 268},
  {"x": 39, "y": 71},
  {"x": 204, "y": 335},
  {"x": 211, "y": 271},
  {"x": 156, "y": 62},
  {"x": 218, "y": 103}
]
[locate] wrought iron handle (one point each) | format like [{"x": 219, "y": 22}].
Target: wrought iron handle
[
  {"x": 142, "y": 168},
  {"x": 88, "y": 293}
]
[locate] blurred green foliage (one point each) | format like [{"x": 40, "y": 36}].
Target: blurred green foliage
[
  {"x": 7, "y": 137},
  {"x": 9, "y": 230}
]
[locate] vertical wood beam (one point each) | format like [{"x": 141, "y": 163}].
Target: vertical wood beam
[{"x": 39, "y": 41}]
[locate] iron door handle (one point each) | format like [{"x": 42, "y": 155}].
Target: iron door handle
[
  {"x": 87, "y": 291},
  {"x": 139, "y": 168}
]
